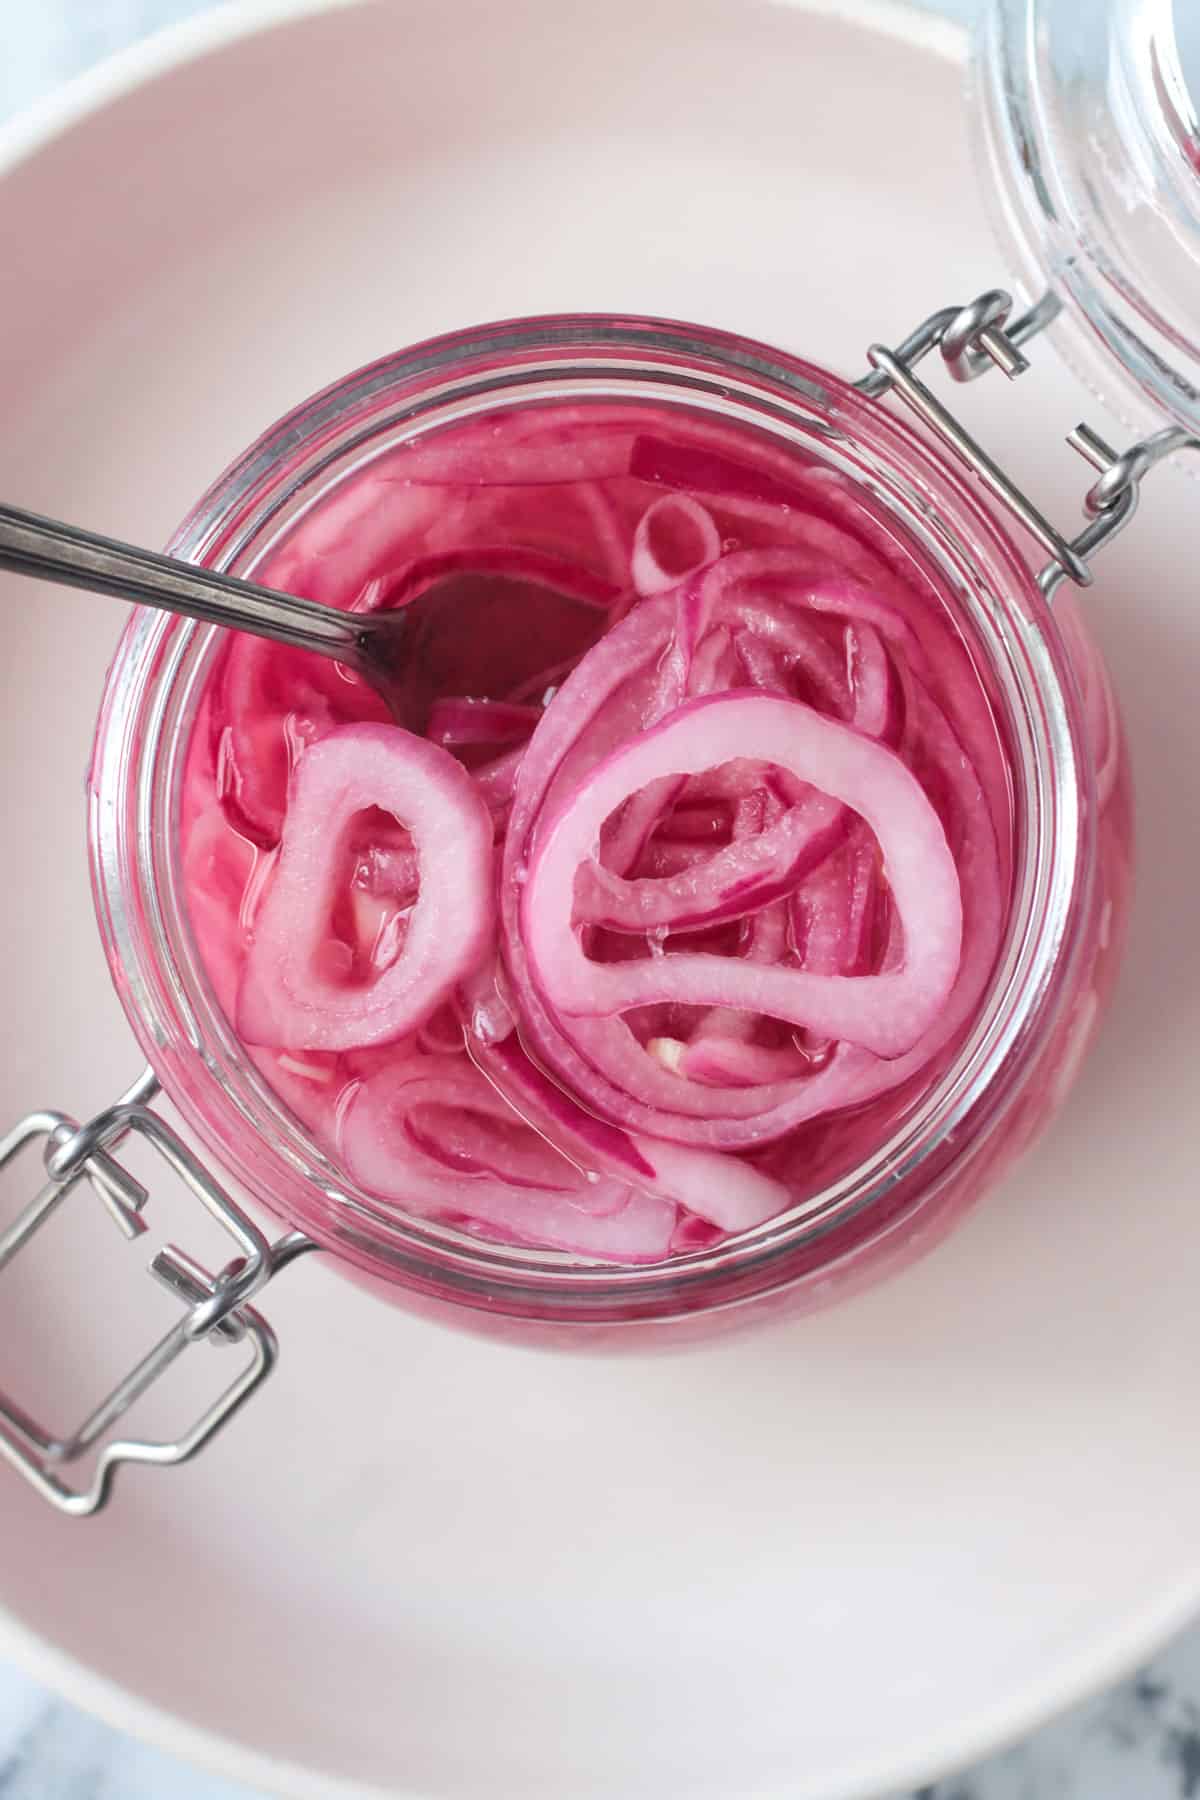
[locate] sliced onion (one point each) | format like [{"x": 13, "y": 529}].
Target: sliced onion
[
  {"x": 886, "y": 1014},
  {"x": 287, "y": 999},
  {"x": 746, "y": 874},
  {"x": 496, "y": 781},
  {"x": 219, "y": 867},
  {"x": 705, "y": 469},
  {"x": 872, "y": 683},
  {"x": 699, "y": 953},
  {"x": 613, "y": 540},
  {"x": 451, "y": 1168},
  {"x": 278, "y": 701},
  {"x": 622, "y": 1080},
  {"x": 694, "y": 824},
  {"x": 726, "y": 1192},
  {"x": 719, "y": 1059},
  {"x": 463, "y": 721},
  {"x": 675, "y": 538},
  {"x": 533, "y": 568}
]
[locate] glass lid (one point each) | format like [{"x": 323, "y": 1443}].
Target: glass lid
[{"x": 1087, "y": 117}]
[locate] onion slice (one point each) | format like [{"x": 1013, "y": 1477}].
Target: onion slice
[
  {"x": 288, "y": 1000},
  {"x": 737, "y": 879},
  {"x": 674, "y": 538},
  {"x": 885, "y": 1013},
  {"x": 438, "y": 1140},
  {"x": 729, "y": 1193}
]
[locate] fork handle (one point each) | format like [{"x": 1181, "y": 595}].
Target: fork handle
[{"x": 46, "y": 548}]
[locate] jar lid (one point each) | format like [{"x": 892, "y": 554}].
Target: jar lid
[{"x": 1088, "y": 124}]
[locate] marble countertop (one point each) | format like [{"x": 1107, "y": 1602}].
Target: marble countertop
[{"x": 1141, "y": 1741}]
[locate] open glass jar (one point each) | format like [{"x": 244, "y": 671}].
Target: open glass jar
[
  {"x": 1069, "y": 824},
  {"x": 1070, "y": 832}
]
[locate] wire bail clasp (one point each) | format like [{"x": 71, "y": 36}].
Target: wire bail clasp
[
  {"x": 218, "y": 1306},
  {"x": 975, "y": 338}
]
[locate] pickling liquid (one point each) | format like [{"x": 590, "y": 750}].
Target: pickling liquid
[{"x": 723, "y": 863}]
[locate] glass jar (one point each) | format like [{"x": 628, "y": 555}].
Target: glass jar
[{"x": 1070, "y": 836}]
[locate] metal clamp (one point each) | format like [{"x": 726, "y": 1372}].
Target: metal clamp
[
  {"x": 218, "y": 1306},
  {"x": 975, "y": 338}
]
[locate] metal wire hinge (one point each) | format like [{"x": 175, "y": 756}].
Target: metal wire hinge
[
  {"x": 218, "y": 1308},
  {"x": 978, "y": 337}
]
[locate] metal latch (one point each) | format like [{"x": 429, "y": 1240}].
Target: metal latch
[
  {"x": 218, "y": 1309},
  {"x": 978, "y": 337}
]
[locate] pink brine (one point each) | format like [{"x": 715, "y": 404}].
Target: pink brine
[{"x": 680, "y": 873}]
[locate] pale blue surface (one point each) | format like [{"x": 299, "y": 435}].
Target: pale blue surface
[{"x": 1140, "y": 1742}]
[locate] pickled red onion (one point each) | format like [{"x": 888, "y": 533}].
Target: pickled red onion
[
  {"x": 510, "y": 1180},
  {"x": 744, "y": 874},
  {"x": 710, "y": 934},
  {"x": 730, "y": 1194},
  {"x": 674, "y": 538},
  {"x": 287, "y": 1000},
  {"x": 885, "y": 1013}
]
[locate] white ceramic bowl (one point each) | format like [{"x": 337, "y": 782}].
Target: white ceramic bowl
[{"x": 822, "y": 1561}]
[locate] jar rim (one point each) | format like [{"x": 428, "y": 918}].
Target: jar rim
[{"x": 135, "y": 763}]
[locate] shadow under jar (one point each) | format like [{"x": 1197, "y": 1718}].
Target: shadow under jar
[{"x": 325, "y": 505}]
